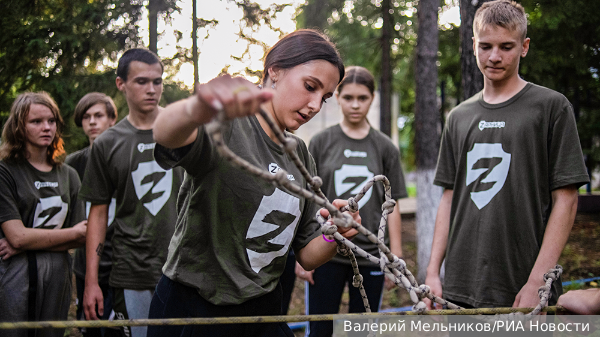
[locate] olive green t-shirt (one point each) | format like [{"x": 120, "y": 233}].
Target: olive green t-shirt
[
  {"x": 45, "y": 201},
  {"x": 502, "y": 162},
  {"x": 234, "y": 230},
  {"x": 121, "y": 164},
  {"x": 346, "y": 165},
  {"x": 78, "y": 160}
]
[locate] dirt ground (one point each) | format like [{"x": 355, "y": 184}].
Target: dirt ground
[{"x": 580, "y": 259}]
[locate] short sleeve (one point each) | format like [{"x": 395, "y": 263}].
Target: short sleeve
[
  {"x": 8, "y": 190},
  {"x": 195, "y": 158},
  {"x": 566, "y": 164},
  {"x": 445, "y": 172},
  {"x": 77, "y": 205},
  {"x": 97, "y": 186}
]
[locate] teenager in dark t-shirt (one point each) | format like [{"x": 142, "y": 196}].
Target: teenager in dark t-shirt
[
  {"x": 40, "y": 219},
  {"x": 121, "y": 165},
  {"x": 347, "y": 156},
  {"x": 510, "y": 163},
  {"x": 235, "y": 230},
  {"x": 94, "y": 113}
]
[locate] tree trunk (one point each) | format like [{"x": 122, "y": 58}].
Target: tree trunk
[
  {"x": 472, "y": 79},
  {"x": 386, "y": 70},
  {"x": 195, "y": 44},
  {"x": 427, "y": 130},
  {"x": 153, "y": 25}
]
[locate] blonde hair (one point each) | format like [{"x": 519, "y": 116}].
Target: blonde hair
[
  {"x": 504, "y": 13},
  {"x": 14, "y": 136}
]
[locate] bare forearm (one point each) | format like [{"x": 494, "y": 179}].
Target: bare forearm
[
  {"x": 316, "y": 253},
  {"x": 440, "y": 234},
  {"x": 174, "y": 127},
  {"x": 557, "y": 231},
  {"x": 23, "y": 238},
  {"x": 94, "y": 245}
]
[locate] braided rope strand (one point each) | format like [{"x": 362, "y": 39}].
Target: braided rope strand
[{"x": 393, "y": 267}]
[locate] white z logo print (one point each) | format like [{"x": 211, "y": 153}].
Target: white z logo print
[
  {"x": 497, "y": 175},
  {"x": 282, "y": 202},
  {"x": 50, "y": 212},
  {"x": 353, "y": 171},
  {"x": 162, "y": 187}
]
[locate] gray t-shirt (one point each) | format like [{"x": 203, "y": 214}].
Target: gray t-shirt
[
  {"x": 234, "y": 230},
  {"x": 43, "y": 200},
  {"x": 121, "y": 164},
  {"x": 503, "y": 161},
  {"x": 345, "y": 165},
  {"x": 78, "y": 160}
]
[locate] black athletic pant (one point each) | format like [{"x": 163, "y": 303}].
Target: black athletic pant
[{"x": 326, "y": 294}]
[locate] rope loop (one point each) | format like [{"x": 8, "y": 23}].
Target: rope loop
[
  {"x": 384, "y": 262},
  {"x": 388, "y": 206},
  {"x": 352, "y": 205},
  {"x": 357, "y": 280}
]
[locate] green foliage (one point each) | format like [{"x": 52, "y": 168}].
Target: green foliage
[
  {"x": 355, "y": 27},
  {"x": 564, "y": 55},
  {"x": 64, "y": 47}
]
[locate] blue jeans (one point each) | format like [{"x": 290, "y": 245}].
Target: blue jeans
[{"x": 175, "y": 300}]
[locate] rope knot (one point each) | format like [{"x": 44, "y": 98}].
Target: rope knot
[
  {"x": 343, "y": 250},
  {"x": 384, "y": 262},
  {"x": 425, "y": 290},
  {"x": 553, "y": 273},
  {"x": 543, "y": 290},
  {"x": 352, "y": 205},
  {"x": 420, "y": 307},
  {"x": 328, "y": 229},
  {"x": 290, "y": 145},
  {"x": 281, "y": 176},
  {"x": 346, "y": 222},
  {"x": 316, "y": 183},
  {"x": 357, "y": 280},
  {"x": 388, "y": 206}
]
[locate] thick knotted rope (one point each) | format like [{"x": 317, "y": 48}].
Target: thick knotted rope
[{"x": 393, "y": 267}]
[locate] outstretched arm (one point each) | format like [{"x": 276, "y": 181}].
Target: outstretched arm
[
  {"x": 178, "y": 123},
  {"x": 440, "y": 242},
  {"x": 562, "y": 216}
]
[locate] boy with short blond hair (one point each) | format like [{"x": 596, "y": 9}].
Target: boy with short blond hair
[{"x": 510, "y": 163}]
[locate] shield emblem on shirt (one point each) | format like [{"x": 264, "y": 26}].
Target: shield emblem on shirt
[
  {"x": 276, "y": 211},
  {"x": 50, "y": 212},
  {"x": 359, "y": 173},
  {"x": 150, "y": 177},
  {"x": 496, "y": 175}
]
